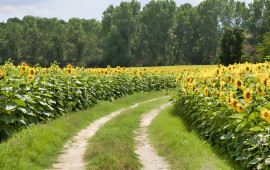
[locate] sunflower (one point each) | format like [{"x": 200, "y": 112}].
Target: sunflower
[
  {"x": 1, "y": 75},
  {"x": 227, "y": 101},
  {"x": 215, "y": 93},
  {"x": 234, "y": 103},
  {"x": 69, "y": 71},
  {"x": 239, "y": 84},
  {"x": 221, "y": 94},
  {"x": 265, "y": 114},
  {"x": 260, "y": 90},
  {"x": 185, "y": 92},
  {"x": 32, "y": 72},
  {"x": 206, "y": 91},
  {"x": 247, "y": 95},
  {"x": 23, "y": 68},
  {"x": 118, "y": 67},
  {"x": 247, "y": 69},
  {"x": 264, "y": 81},
  {"x": 141, "y": 73},
  {"x": 69, "y": 66},
  {"x": 30, "y": 77},
  {"x": 259, "y": 68},
  {"x": 24, "y": 64},
  {"x": 89, "y": 70},
  {"x": 239, "y": 108},
  {"x": 108, "y": 66},
  {"x": 231, "y": 94}
]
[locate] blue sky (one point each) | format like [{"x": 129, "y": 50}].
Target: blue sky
[{"x": 65, "y": 9}]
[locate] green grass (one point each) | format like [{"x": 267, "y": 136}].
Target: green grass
[
  {"x": 38, "y": 146},
  {"x": 182, "y": 148},
  {"x": 113, "y": 145}
]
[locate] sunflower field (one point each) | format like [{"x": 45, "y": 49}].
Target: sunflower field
[
  {"x": 29, "y": 95},
  {"x": 229, "y": 107}
]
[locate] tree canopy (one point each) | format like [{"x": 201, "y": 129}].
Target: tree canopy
[{"x": 160, "y": 33}]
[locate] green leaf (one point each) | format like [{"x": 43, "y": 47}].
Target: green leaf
[
  {"x": 254, "y": 161},
  {"x": 26, "y": 111},
  {"x": 252, "y": 116},
  {"x": 267, "y": 161},
  {"x": 256, "y": 129},
  {"x": 244, "y": 156},
  {"x": 227, "y": 136},
  {"x": 20, "y": 102},
  {"x": 9, "y": 107},
  {"x": 238, "y": 116}
]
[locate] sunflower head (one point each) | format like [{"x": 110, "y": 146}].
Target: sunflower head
[
  {"x": 206, "y": 91},
  {"x": 30, "y": 77},
  {"x": 69, "y": 71},
  {"x": 259, "y": 68},
  {"x": 265, "y": 114},
  {"x": 239, "y": 108},
  {"x": 238, "y": 83},
  {"x": 32, "y": 71},
  {"x": 69, "y": 66},
  {"x": 24, "y": 64},
  {"x": 1, "y": 75},
  {"x": 260, "y": 90},
  {"x": 247, "y": 95},
  {"x": 247, "y": 69},
  {"x": 234, "y": 103},
  {"x": 108, "y": 66},
  {"x": 264, "y": 81}
]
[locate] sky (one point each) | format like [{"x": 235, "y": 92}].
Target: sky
[{"x": 65, "y": 9}]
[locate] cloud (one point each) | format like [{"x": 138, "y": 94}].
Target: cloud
[{"x": 20, "y": 2}]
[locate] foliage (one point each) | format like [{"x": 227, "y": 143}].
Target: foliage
[
  {"x": 29, "y": 95},
  {"x": 229, "y": 106},
  {"x": 231, "y": 45},
  {"x": 160, "y": 33},
  {"x": 263, "y": 48}
]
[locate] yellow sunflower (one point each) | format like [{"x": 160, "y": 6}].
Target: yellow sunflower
[
  {"x": 260, "y": 90},
  {"x": 265, "y": 114},
  {"x": 239, "y": 108},
  {"x": 247, "y": 95},
  {"x": 69, "y": 66},
  {"x": 69, "y": 70},
  {"x": 24, "y": 64},
  {"x": 206, "y": 91},
  {"x": 1, "y": 75},
  {"x": 30, "y": 77},
  {"x": 264, "y": 81},
  {"x": 239, "y": 84},
  {"x": 234, "y": 103},
  {"x": 32, "y": 72}
]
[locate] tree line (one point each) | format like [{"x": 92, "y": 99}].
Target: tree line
[{"x": 160, "y": 33}]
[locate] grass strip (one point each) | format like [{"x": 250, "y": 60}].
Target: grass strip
[
  {"x": 182, "y": 148},
  {"x": 113, "y": 145},
  {"x": 38, "y": 146}
]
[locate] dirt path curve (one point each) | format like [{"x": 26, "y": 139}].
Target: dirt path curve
[
  {"x": 147, "y": 154},
  {"x": 72, "y": 156}
]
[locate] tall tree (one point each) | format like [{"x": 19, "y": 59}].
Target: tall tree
[
  {"x": 157, "y": 19},
  {"x": 186, "y": 32},
  {"x": 231, "y": 45}
]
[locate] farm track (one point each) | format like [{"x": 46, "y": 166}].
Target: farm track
[
  {"x": 147, "y": 154},
  {"x": 72, "y": 155}
]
